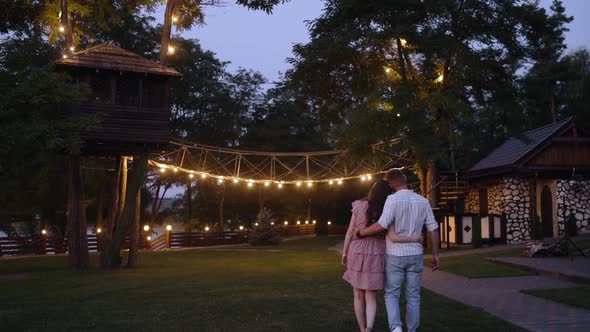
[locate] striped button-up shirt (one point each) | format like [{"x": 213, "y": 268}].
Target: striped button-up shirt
[{"x": 406, "y": 212}]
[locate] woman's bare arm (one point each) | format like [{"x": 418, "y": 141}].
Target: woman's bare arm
[{"x": 347, "y": 239}]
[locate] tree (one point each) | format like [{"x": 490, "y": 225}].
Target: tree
[{"x": 428, "y": 72}]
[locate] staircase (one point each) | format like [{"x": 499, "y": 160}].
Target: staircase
[{"x": 452, "y": 189}]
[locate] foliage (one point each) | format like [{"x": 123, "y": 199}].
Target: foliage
[
  {"x": 436, "y": 73},
  {"x": 571, "y": 225},
  {"x": 267, "y": 231}
]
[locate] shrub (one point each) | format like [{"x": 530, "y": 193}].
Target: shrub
[
  {"x": 265, "y": 233},
  {"x": 571, "y": 226}
]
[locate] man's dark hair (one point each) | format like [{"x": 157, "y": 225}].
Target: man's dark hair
[{"x": 396, "y": 175}]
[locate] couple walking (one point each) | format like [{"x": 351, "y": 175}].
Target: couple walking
[{"x": 383, "y": 248}]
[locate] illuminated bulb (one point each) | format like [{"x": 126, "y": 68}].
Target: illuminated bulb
[
  {"x": 72, "y": 48},
  {"x": 440, "y": 78},
  {"x": 266, "y": 184},
  {"x": 398, "y": 115},
  {"x": 298, "y": 183},
  {"x": 298, "y": 222},
  {"x": 146, "y": 228},
  {"x": 149, "y": 238},
  {"x": 369, "y": 177},
  {"x": 363, "y": 178},
  {"x": 236, "y": 180},
  {"x": 313, "y": 222},
  {"x": 331, "y": 182},
  {"x": 206, "y": 228},
  {"x": 272, "y": 223},
  {"x": 309, "y": 184},
  {"x": 220, "y": 180},
  {"x": 61, "y": 28},
  {"x": 171, "y": 50},
  {"x": 241, "y": 228},
  {"x": 286, "y": 223},
  {"x": 388, "y": 70},
  {"x": 174, "y": 19},
  {"x": 403, "y": 42},
  {"x": 329, "y": 223},
  {"x": 98, "y": 230},
  {"x": 43, "y": 232},
  {"x": 306, "y": 222},
  {"x": 280, "y": 185},
  {"x": 175, "y": 169},
  {"x": 64, "y": 56},
  {"x": 340, "y": 182},
  {"x": 250, "y": 184},
  {"x": 191, "y": 175},
  {"x": 256, "y": 224},
  {"x": 169, "y": 227},
  {"x": 204, "y": 175},
  {"x": 162, "y": 169}
]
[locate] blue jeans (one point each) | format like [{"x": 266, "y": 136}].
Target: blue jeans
[{"x": 398, "y": 269}]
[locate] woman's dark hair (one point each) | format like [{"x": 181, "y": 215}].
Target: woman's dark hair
[{"x": 377, "y": 197}]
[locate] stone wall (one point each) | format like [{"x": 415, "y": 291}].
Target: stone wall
[
  {"x": 573, "y": 197},
  {"x": 511, "y": 196},
  {"x": 472, "y": 202}
]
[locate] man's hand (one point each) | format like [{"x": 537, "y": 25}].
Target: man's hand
[
  {"x": 435, "y": 262},
  {"x": 344, "y": 260}
]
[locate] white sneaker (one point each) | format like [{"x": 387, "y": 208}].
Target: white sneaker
[{"x": 397, "y": 329}]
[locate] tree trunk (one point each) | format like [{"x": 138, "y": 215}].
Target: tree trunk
[
  {"x": 67, "y": 25},
  {"x": 431, "y": 179},
  {"x": 113, "y": 212},
  {"x": 155, "y": 202},
  {"x": 220, "y": 201},
  {"x": 78, "y": 257},
  {"x": 99, "y": 216},
  {"x": 422, "y": 174},
  {"x": 123, "y": 193},
  {"x": 189, "y": 201},
  {"x": 166, "y": 32},
  {"x": 134, "y": 236},
  {"x": 127, "y": 216}
]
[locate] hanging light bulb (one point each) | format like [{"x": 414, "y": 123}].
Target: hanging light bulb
[
  {"x": 250, "y": 184},
  {"x": 266, "y": 184},
  {"x": 220, "y": 181},
  {"x": 169, "y": 228},
  {"x": 149, "y": 238},
  {"x": 298, "y": 183},
  {"x": 146, "y": 228},
  {"x": 363, "y": 178},
  {"x": 171, "y": 50},
  {"x": 298, "y": 222},
  {"x": 280, "y": 185},
  {"x": 72, "y": 48},
  {"x": 44, "y": 232},
  {"x": 309, "y": 184},
  {"x": 236, "y": 180},
  {"x": 175, "y": 169},
  {"x": 306, "y": 222},
  {"x": 206, "y": 228},
  {"x": 174, "y": 19},
  {"x": 64, "y": 56},
  {"x": 191, "y": 175},
  {"x": 62, "y": 29},
  {"x": 286, "y": 223},
  {"x": 98, "y": 230},
  {"x": 203, "y": 175},
  {"x": 339, "y": 182},
  {"x": 388, "y": 70},
  {"x": 331, "y": 182},
  {"x": 369, "y": 177},
  {"x": 313, "y": 222},
  {"x": 162, "y": 169}
]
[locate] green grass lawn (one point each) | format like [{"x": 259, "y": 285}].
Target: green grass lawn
[
  {"x": 295, "y": 287},
  {"x": 476, "y": 265},
  {"x": 578, "y": 297}
]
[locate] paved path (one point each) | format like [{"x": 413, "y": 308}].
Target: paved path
[
  {"x": 502, "y": 297},
  {"x": 577, "y": 270}
]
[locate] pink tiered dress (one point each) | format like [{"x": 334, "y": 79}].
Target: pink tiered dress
[{"x": 366, "y": 256}]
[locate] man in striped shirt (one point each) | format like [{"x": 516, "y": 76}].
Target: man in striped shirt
[{"x": 404, "y": 213}]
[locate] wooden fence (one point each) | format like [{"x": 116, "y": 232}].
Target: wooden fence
[{"x": 49, "y": 245}]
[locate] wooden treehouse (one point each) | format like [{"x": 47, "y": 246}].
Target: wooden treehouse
[{"x": 129, "y": 92}]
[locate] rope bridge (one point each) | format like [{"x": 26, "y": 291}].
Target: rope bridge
[{"x": 280, "y": 168}]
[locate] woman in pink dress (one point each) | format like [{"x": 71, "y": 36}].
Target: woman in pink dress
[{"x": 365, "y": 258}]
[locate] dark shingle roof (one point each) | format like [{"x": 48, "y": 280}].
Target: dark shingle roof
[
  {"x": 111, "y": 57},
  {"x": 515, "y": 148}
]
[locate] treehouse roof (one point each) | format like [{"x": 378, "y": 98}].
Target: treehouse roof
[{"x": 111, "y": 57}]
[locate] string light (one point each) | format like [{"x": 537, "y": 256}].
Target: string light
[
  {"x": 286, "y": 223},
  {"x": 363, "y": 178},
  {"x": 61, "y": 28},
  {"x": 280, "y": 185},
  {"x": 241, "y": 228},
  {"x": 43, "y": 232},
  {"x": 174, "y": 19},
  {"x": 250, "y": 184},
  {"x": 146, "y": 228},
  {"x": 72, "y": 48},
  {"x": 256, "y": 224},
  {"x": 309, "y": 184},
  {"x": 298, "y": 222},
  {"x": 149, "y": 238},
  {"x": 203, "y": 175},
  {"x": 236, "y": 180},
  {"x": 306, "y": 222},
  {"x": 298, "y": 183},
  {"x": 175, "y": 169},
  {"x": 162, "y": 169},
  {"x": 99, "y": 230},
  {"x": 331, "y": 182},
  {"x": 191, "y": 175},
  {"x": 169, "y": 228},
  {"x": 64, "y": 56},
  {"x": 206, "y": 228},
  {"x": 329, "y": 223},
  {"x": 339, "y": 182},
  {"x": 313, "y": 222},
  {"x": 272, "y": 223},
  {"x": 369, "y": 177},
  {"x": 266, "y": 184},
  {"x": 220, "y": 180},
  {"x": 171, "y": 50}
]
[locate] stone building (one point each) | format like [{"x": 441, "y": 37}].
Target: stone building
[{"x": 542, "y": 173}]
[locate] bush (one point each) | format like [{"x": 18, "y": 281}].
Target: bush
[
  {"x": 265, "y": 233},
  {"x": 571, "y": 226},
  {"x": 538, "y": 229}
]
